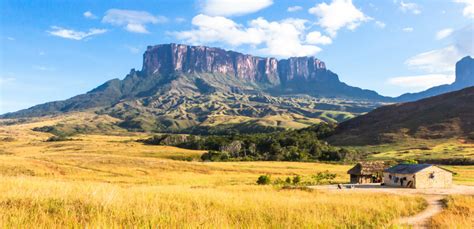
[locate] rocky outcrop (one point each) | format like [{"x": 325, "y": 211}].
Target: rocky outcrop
[
  {"x": 465, "y": 72},
  {"x": 168, "y": 58}
]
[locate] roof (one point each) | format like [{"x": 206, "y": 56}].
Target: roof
[
  {"x": 409, "y": 168},
  {"x": 368, "y": 168}
]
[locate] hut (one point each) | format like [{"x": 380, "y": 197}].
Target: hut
[
  {"x": 367, "y": 172},
  {"x": 418, "y": 176}
]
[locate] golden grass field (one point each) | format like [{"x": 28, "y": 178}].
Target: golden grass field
[{"x": 112, "y": 180}]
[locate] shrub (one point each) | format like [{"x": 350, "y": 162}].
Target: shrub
[
  {"x": 215, "y": 156},
  {"x": 57, "y": 139},
  {"x": 296, "y": 179},
  {"x": 324, "y": 177},
  {"x": 263, "y": 180}
]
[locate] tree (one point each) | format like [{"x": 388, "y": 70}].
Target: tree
[{"x": 263, "y": 180}]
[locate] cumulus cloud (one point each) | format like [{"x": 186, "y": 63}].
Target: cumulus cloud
[
  {"x": 276, "y": 38},
  {"x": 73, "y": 34},
  {"x": 410, "y": 7},
  {"x": 380, "y": 24},
  {"x": 438, "y": 60},
  {"x": 89, "y": 15},
  {"x": 421, "y": 82},
  {"x": 337, "y": 15},
  {"x": 317, "y": 38},
  {"x": 468, "y": 10},
  {"x": 233, "y": 7},
  {"x": 131, "y": 20},
  {"x": 408, "y": 29},
  {"x": 444, "y": 33},
  {"x": 294, "y": 8}
]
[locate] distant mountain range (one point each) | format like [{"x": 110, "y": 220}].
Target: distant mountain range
[
  {"x": 444, "y": 116},
  {"x": 181, "y": 87}
]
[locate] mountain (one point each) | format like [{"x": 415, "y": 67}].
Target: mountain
[
  {"x": 181, "y": 86},
  {"x": 464, "y": 78},
  {"x": 443, "y": 116}
]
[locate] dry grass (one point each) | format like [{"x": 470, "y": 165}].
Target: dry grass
[
  {"x": 106, "y": 181},
  {"x": 39, "y": 202},
  {"x": 459, "y": 213}
]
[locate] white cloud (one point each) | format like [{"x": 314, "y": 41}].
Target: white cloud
[
  {"x": 132, "y": 49},
  {"x": 233, "y": 7},
  {"x": 444, "y": 33},
  {"x": 421, "y": 82},
  {"x": 6, "y": 80},
  {"x": 283, "y": 38},
  {"x": 72, "y": 34},
  {"x": 438, "y": 60},
  {"x": 89, "y": 15},
  {"x": 294, "y": 8},
  {"x": 468, "y": 10},
  {"x": 11, "y": 38},
  {"x": 180, "y": 19},
  {"x": 410, "y": 7},
  {"x": 380, "y": 24},
  {"x": 408, "y": 29},
  {"x": 444, "y": 60},
  {"x": 337, "y": 15},
  {"x": 133, "y": 21},
  {"x": 316, "y": 38},
  {"x": 438, "y": 64},
  {"x": 43, "y": 68}
]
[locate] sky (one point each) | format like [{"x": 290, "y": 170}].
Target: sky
[{"x": 55, "y": 49}]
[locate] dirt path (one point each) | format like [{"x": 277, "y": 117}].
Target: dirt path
[
  {"x": 433, "y": 198},
  {"x": 421, "y": 219}
]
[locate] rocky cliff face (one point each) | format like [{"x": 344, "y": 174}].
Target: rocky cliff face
[
  {"x": 168, "y": 58},
  {"x": 465, "y": 72},
  {"x": 175, "y": 74}
]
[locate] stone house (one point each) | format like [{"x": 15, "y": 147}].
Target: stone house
[
  {"x": 418, "y": 176},
  {"x": 367, "y": 172}
]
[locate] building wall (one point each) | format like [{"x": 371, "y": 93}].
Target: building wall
[
  {"x": 361, "y": 179},
  {"x": 394, "y": 179},
  {"x": 433, "y": 177}
]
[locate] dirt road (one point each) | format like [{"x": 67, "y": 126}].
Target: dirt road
[
  {"x": 433, "y": 198},
  {"x": 421, "y": 219}
]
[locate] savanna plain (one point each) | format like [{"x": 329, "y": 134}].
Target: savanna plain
[{"x": 112, "y": 180}]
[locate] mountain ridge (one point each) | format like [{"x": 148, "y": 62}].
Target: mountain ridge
[{"x": 182, "y": 69}]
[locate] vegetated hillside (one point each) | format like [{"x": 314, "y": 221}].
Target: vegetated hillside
[
  {"x": 444, "y": 116},
  {"x": 182, "y": 87},
  {"x": 464, "y": 78}
]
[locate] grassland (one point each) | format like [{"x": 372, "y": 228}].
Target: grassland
[
  {"x": 459, "y": 213},
  {"x": 112, "y": 180}
]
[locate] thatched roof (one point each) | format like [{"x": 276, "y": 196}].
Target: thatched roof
[{"x": 368, "y": 168}]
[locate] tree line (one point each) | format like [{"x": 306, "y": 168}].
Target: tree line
[{"x": 291, "y": 145}]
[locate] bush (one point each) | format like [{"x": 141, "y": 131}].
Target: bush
[
  {"x": 324, "y": 177},
  {"x": 264, "y": 180},
  {"x": 57, "y": 139},
  {"x": 296, "y": 179},
  {"x": 215, "y": 156}
]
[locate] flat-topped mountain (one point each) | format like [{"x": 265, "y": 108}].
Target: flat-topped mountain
[{"x": 181, "y": 87}]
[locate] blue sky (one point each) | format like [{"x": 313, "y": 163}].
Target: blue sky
[{"x": 52, "y": 50}]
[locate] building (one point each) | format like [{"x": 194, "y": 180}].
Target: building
[
  {"x": 367, "y": 172},
  {"x": 418, "y": 176}
]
